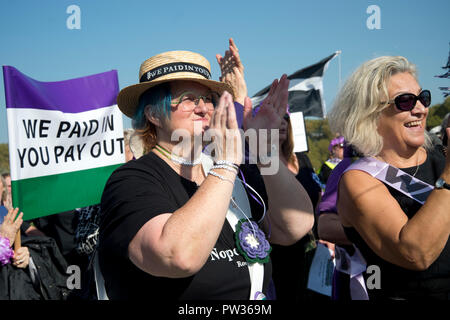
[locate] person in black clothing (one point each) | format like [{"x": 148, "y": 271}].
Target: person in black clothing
[
  {"x": 297, "y": 162},
  {"x": 336, "y": 149},
  {"x": 177, "y": 226},
  {"x": 37, "y": 270},
  {"x": 381, "y": 111},
  {"x": 291, "y": 263},
  {"x": 62, "y": 228}
]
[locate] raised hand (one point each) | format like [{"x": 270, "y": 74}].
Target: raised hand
[
  {"x": 272, "y": 109},
  {"x": 232, "y": 71},
  {"x": 268, "y": 117},
  {"x": 224, "y": 131},
  {"x": 11, "y": 225}
]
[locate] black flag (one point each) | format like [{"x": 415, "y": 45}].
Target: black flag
[
  {"x": 447, "y": 66},
  {"x": 445, "y": 75},
  {"x": 305, "y": 89}
]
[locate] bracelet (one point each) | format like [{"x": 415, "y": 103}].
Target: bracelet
[
  {"x": 226, "y": 167},
  {"x": 6, "y": 253},
  {"x": 228, "y": 163},
  {"x": 215, "y": 174}
]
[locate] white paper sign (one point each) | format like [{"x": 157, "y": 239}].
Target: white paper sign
[
  {"x": 299, "y": 132},
  {"x": 320, "y": 277}
]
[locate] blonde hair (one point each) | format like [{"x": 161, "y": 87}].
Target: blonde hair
[
  {"x": 361, "y": 100},
  {"x": 133, "y": 140},
  {"x": 4, "y": 189}
]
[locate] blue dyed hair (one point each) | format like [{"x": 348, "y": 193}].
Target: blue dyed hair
[{"x": 159, "y": 98}]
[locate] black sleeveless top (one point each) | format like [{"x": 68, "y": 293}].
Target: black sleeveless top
[{"x": 398, "y": 282}]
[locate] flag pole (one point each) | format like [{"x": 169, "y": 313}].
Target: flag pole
[{"x": 17, "y": 241}]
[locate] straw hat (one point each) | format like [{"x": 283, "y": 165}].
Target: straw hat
[{"x": 165, "y": 67}]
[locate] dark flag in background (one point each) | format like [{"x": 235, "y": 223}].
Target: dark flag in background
[
  {"x": 445, "y": 75},
  {"x": 305, "y": 89},
  {"x": 447, "y": 66},
  {"x": 445, "y": 90}
]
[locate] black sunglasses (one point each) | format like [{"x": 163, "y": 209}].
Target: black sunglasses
[{"x": 407, "y": 101}]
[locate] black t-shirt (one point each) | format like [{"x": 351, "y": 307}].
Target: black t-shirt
[
  {"x": 397, "y": 282},
  {"x": 142, "y": 189},
  {"x": 290, "y": 263}
]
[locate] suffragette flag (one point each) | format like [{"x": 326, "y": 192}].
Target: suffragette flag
[{"x": 65, "y": 139}]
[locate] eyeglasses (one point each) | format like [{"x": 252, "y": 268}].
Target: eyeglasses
[
  {"x": 407, "y": 101},
  {"x": 188, "y": 100}
]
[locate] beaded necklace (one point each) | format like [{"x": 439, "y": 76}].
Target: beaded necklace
[{"x": 169, "y": 155}]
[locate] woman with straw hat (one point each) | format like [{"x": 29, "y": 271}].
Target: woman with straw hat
[{"x": 180, "y": 224}]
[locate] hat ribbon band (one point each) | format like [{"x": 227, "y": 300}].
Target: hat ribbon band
[{"x": 173, "y": 68}]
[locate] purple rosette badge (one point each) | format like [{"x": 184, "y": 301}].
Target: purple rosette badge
[
  {"x": 251, "y": 242},
  {"x": 5, "y": 251}
]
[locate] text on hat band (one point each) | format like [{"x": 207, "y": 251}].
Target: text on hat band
[{"x": 175, "y": 67}]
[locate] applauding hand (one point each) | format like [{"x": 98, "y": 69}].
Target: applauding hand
[
  {"x": 224, "y": 131},
  {"x": 11, "y": 225},
  {"x": 272, "y": 109},
  {"x": 232, "y": 71}
]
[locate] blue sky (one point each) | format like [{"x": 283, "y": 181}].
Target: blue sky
[{"x": 273, "y": 37}]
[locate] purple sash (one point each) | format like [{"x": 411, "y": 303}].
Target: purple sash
[
  {"x": 410, "y": 186},
  {"x": 394, "y": 177}
]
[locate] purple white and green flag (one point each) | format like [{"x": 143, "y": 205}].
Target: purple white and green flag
[{"x": 65, "y": 140}]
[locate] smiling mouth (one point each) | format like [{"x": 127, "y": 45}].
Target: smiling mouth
[{"x": 413, "y": 124}]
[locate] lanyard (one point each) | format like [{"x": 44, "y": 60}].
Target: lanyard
[{"x": 239, "y": 195}]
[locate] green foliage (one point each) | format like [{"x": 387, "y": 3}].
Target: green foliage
[
  {"x": 4, "y": 158},
  {"x": 437, "y": 113},
  {"x": 319, "y": 136}
]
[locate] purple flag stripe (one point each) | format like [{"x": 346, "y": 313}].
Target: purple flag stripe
[{"x": 74, "y": 95}]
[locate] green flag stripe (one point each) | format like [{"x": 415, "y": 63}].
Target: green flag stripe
[{"x": 42, "y": 196}]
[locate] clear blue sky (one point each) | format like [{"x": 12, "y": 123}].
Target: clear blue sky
[{"x": 274, "y": 37}]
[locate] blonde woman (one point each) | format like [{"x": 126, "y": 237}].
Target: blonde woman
[
  {"x": 381, "y": 111},
  {"x": 6, "y": 197},
  {"x": 2, "y": 191}
]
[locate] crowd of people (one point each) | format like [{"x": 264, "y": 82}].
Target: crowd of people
[{"x": 201, "y": 221}]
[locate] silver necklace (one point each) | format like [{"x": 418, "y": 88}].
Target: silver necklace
[{"x": 417, "y": 169}]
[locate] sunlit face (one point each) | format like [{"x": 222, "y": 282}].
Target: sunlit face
[
  {"x": 195, "y": 121},
  {"x": 338, "y": 151},
  {"x": 403, "y": 130},
  {"x": 8, "y": 184}
]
